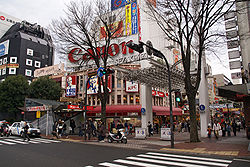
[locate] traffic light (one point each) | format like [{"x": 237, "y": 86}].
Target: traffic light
[
  {"x": 178, "y": 96},
  {"x": 105, "y": 71},
  {"x": 136, "y": 47}
]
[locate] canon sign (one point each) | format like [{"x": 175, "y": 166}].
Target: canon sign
[{"x": 77, "y": 54}]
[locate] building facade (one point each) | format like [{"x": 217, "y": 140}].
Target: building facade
[
  {"x": 24, "y": 48},
  {"x": 6, "y": 21}
]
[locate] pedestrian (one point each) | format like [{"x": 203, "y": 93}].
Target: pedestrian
[
  {"x": 223, "y": 128},
  {"x": 64, "y": 130},
  {"x": 126, "y": 127},
  {"x": 112, "y": 126},
  {"x": 80, "y": 130},
  {"x": 89, "y": 129},
  {"x": 54, "y": 130},
  {"x": 119, "y": 126},
  {"x": 228, "y": 129},
  {"x": 101, "y": 133},
  {"x": 25, "y": 132},
  {"x": 72, "y": 125},
  {"x": 209, "y": 131},
  {"x": 157, "y": 128},
  {"x": 60, "y": 128},
  {"x": 188, "y": 126},
  {"x": 130, "y": 128},
  {"x": 93, "y": 128},
  {"x": 234, "y": 127},
  {"x": 149, "y": 129},
  {"x": 216, "y": 129}
]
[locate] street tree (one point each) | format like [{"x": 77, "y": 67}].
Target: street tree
[
  {"x": 45, "y": 88},
  {"x": 90, "y": 27},
  {"x": 191, "y": 24},
  {"x": 12, "y": 94}
]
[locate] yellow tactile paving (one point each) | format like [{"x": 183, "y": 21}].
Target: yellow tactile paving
[{"x": 203, "y": 151}]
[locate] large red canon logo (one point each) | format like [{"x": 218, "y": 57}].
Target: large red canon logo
[
  {"x": 113, "y": 50},
  {"x": 2, "y": 17}
]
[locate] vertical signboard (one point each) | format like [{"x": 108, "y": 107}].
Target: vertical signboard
[
  {"x": 128, "y": 19},
  {"x": 71, "y": 86},
  {"x": 134, "y": 18},
  {"x": 4, "y": 48},
  {"x": 116, "y": 4}
]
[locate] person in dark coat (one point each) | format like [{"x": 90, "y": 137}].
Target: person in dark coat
[
  {"x": 150, "y": 129},
  {"x": 25, "y": 132},
  {"x": 102, "y": 133},
  {"x": 72, "y": 125},
  {"x": 234, "y": 126}
]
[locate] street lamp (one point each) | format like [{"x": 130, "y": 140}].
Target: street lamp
[{"x": 157, "y": 53}]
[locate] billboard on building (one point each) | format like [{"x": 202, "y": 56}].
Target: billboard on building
[
  {"x": 92, "y": 86},
  {"x": 128, "y": 19},
  {"x": 116, "y": 29},
  {"x": 55, "y": 69},
  {"x": 134, "y": 18},
  {"x": 71, "y": 82},
  {"x": 116, "y": 4},
  {"x": 4, "y": 48},
  {"x": 132, "y": 87}
]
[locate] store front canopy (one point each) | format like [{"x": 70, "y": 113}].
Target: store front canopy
[
  {"x": 159, "y": 110},
  {"x": 155, "y": 76}
]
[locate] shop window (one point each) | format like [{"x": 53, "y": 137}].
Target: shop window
[
  {"x": 113, "y": 99},
  {"x": 37, "y": 64},
  {"x": 98, "y": 101},
  {"x": 131, "y": 97},
  {"x": 12, "y": 70},
  {"x": 119, "y": 83},
  {"x": 89, "y": 101},
  {"x": 125, "y": 100},
  {"x": 28, "y": 62},
  {"x": 4, "y": 71},
  {"x": 29, "y": 52},
  {"x": 5, "y": 60},
  {"x": 119, "y": 99},
  {"x": 28, "y": 73},
  {"x": 13, "y": 60},
  {"x": 94, "y": 100},
  {"x": 161, "y": 101},
  {"x": 137, "y": 99}
]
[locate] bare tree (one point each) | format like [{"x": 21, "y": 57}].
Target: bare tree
[
  {"x": 190, "y": 23},
  {"x": 89, "y": 26}
]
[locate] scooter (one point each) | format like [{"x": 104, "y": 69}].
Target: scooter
[{"x": 115, "y": 137}]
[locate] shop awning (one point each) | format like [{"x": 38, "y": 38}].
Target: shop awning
[{"x": 159, "y": 110}]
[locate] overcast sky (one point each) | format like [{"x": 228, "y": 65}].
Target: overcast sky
[{"x": 43, "y": 11}]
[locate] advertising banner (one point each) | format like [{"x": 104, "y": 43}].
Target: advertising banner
[
  {"x": 92, "y": 86},
  {"x": 116, "y": 29},
  {"x": 165, "y": 134},
  {"x": 58, "y": 68},
  {"x": 128, "y": 19},
  {"x": 4, "y": 48},
  {"x": 73, "y": 107},
  {"x": 71, "y": 86},
  {"x": 116, "y": 4},
  {"x": 134, "y": 19},
  {"x": 132, "y": 87}
]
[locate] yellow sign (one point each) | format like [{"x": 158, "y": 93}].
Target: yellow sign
[
  {"x": 128, "y": 19},
  {"x": 38, "y": 114}
]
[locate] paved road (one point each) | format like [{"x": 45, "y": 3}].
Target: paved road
[{"x": 44, "y": 152}]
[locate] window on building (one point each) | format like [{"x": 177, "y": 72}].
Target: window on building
[
  {"x": 119, "y": 83},
  {"x": 98, "y": 101},
  {"x": 37, "y": 64},
  {"x": 5, "y": 60},
  {"x": 13, "y": 59},
  {"x": 161, "y": 101},
  {"x": 137, "y": 99},
  {"x": 113, "y": 82},
  {"x": 28, "y": 62},
  {"x": 12, "y": 70},
  {"x": 119, "y": 99},
  {"x": 94, "y": 101},
  {"x": 125, "y": 100},
  {"x": 89, "y": 101},
  {"x": 1, "y": 61},
  {"x": 28, "y": 72},
  {"x": 131, "y": 99},
  {"x": 124, "y": 84},
  {"x": 30, "y": 52},
  {"x": 113, "y": 99},
  {"x": 4, "y": 71}
]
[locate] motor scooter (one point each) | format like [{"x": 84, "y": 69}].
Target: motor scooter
[{"x": 115, "y": 137}]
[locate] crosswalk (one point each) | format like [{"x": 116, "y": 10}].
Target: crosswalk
[
  {"x": 14, "y": 141},
  {"x": 154, "y": 159}
]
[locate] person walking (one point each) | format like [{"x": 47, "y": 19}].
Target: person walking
[
  {"x": 228, "y": 129},
  {"x": 126, "y": 127},
  {"x": 60, "y": 128},
  {"x": 149, "y": 129},
  {"x": 223, "y": 128},
  {"x": 54, "y": 130},
  {"x": 216, "y": 129},
  {"x": 209, "y": 131},
  {"x": 72, "y": 125},
  {"x": 234, "y": 125},
  {"x": 102, "y": 133},
  {"x": 89, "y": 129},
  {"x": 25, "y": 132}
]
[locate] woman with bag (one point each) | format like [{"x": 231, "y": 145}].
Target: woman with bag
[{"x": 216, "y": 129}]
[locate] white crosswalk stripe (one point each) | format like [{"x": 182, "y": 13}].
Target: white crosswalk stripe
[
  {"x": 13, "y": 141},
  {"x": 154, "y": 159}
]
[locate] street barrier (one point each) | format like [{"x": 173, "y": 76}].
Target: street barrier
[
  {"x": 140, "y": 133},
  {"x": 165, "y": 134}
]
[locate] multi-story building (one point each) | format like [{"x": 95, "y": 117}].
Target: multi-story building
[
  {"x": 6, "y": 21},
  {"x": 24, "y": 48}
]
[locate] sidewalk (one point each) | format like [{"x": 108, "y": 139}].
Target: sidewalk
[{"x": 226, "y": 146}]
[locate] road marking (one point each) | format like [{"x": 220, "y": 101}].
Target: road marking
[
  {"x": 34, "y": 142},
  {"x": 198, "y": 158},
  {"x": 165, "y": 162},
  {"x": 137, "y": 163},
  {"x": 182, "y": 160},
  {"x": 246, "y": 160},
  {"x": 111, "y": 165},
  {"x": 48, "y": 140},
  {"x": 5, "y": 142},
  {"x": 42, "y": 141},
  {"x": 15, "y": 141}
]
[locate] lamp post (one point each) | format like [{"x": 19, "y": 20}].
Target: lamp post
[{"x": 157, "y": 53}]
